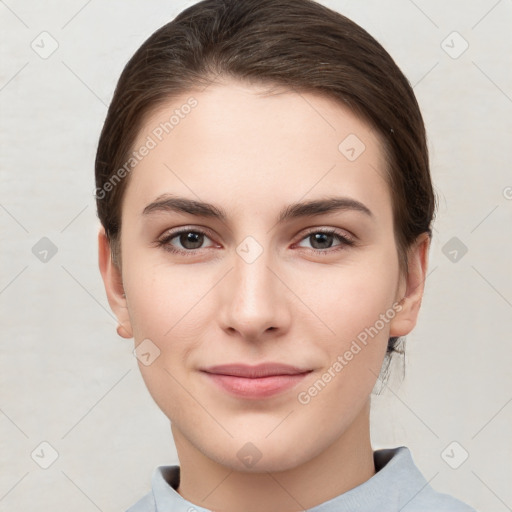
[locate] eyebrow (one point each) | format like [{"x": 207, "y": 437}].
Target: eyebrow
[{"x": 172, "y": 203}]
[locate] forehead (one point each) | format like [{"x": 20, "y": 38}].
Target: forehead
[{"x": 237, "y": 144}]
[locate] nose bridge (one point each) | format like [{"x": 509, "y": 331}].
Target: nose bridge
[
  {"x": 254, "y": 298},
  {"x": 252, "y": 277}
]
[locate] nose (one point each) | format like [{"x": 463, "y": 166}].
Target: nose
[{"x": 254, "y": 302}]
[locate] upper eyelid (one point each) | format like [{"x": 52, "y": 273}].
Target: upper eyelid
[
  {"x": 327, "y": 229},
  {"x": 171, "y": 234}
]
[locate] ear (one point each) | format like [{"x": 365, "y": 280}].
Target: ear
[
  {"x": 412, "y": 290},
  {"x": 113, "y": 281}
]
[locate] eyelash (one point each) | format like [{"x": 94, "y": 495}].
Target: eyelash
[{"x": 345, "y": 241}]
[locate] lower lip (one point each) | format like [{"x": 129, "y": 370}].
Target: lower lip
[{"x": 261, "y": 387}]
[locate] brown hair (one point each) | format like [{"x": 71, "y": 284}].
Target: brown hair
[{"x": 293, "y": 43}]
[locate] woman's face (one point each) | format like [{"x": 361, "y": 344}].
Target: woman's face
[{"x": 269, "y": 281}]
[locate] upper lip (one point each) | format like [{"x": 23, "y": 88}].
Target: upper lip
[{"x": 260, "y": 370}]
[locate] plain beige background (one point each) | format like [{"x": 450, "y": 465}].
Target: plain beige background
[{"x": 68, "y": 381}]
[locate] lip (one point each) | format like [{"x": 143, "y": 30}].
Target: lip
[
  {"x": 256, "y": 382},
  {"x": 255, "y": 371}
]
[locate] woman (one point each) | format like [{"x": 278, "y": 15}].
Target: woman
[{"x": 264, "y": 189}]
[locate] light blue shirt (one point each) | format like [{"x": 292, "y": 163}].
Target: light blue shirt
[{"x": 397, "y": 485}]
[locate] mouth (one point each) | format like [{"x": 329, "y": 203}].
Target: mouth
[{"x": 255, "y": 382}]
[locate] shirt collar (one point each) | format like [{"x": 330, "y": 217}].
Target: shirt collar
[{"x": 396, "y": 482}]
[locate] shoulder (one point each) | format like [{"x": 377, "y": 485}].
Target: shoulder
[{"x": 431, "y": 500}]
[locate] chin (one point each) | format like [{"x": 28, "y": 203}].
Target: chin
[{"x": 261, "y": 456}]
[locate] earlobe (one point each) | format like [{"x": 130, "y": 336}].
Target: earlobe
[
  {"x": 405, "y": 320},
  {"x": 123, "y": 332},
  {"x": 113, "y": 282}
]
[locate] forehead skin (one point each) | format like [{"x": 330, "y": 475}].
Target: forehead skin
[{"x": 254, "y": 153}]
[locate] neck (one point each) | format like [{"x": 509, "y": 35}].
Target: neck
[{"x": 345, "y": 464}]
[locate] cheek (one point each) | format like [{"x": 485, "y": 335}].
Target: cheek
[
  {"x": 162, "y": 299},
  {"x": 351, "y": 296},
  {"x": 359, "y": 314},
  {"x": 164, "y": 308},
  {"x": 357, "y": 306}
]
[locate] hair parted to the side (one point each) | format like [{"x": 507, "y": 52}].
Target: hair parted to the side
[{"x": 297, "y": 44}]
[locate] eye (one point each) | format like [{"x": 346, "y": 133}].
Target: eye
[
  {"x": 322, "y": 239},
  {"x": 189, "y": 239}
]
